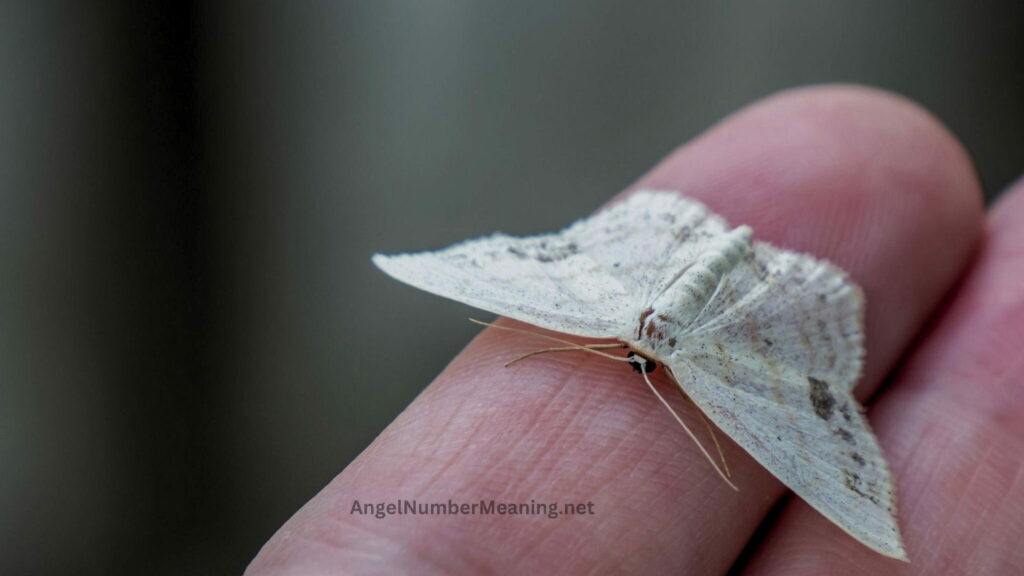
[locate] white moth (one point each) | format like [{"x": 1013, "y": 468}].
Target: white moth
[{"x": 767, "y": 343}]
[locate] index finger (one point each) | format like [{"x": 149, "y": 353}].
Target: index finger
[{"x": 863, "y": 179}]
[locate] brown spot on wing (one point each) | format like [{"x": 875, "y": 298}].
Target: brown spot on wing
[
  {"x": 852, "y": 481},
  {"x": 643, "y": 318},
  {"x": 845, "y": 411},
  {"x": 844, "y": 434},
  {"x": 821, "y": 398}
]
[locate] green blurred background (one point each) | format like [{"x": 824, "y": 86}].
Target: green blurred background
[{"x": 192, "y": 338}]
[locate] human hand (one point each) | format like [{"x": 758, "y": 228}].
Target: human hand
[{"x": 856, "y": 176}]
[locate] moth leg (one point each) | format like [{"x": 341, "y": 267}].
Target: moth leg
[
  {"x": 686, "y": 428},
  {"x": 714, "y": 437},
  {"x": 707, "y": 425}
]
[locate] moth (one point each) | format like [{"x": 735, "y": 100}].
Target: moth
[{"x": 768, "y": 343}]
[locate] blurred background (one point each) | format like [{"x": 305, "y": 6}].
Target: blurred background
[{"x": 190, "y": 344}]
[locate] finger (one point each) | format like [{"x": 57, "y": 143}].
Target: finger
[
  {"x": 954, "y": 427},
  {"x": 864, "y": 179}
]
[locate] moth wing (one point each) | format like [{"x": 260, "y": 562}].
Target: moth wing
[
  {"x": 591, "y": 279},
  {"x": 834, "y": 464},
  {"x": 790, "y": 310},
  {"x": 648, "y": 239},
  {"x": 543, "y": 280},
  {"x": 772, "y": 361}
]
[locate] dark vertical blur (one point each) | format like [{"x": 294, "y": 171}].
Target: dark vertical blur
[
  {"x": 106, "y": 401},
  {"x": 192, "y": 339}
]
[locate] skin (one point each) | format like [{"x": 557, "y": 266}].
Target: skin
[{"x": 866, "y": 179}]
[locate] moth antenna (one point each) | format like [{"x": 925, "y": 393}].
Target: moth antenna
[
  {"x": 583, "y": 347},
  {"x": 687, "y": 429},
  {"x": 592, "y": 348},
  {"x": 707, "y": 425}
]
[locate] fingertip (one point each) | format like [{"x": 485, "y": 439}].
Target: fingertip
[
  {"x": 834, "y": 154},
  {"x": 1010, "y": 205}
]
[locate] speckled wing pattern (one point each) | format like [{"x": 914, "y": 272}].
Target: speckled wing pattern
[
  {"x": 773, "y": 361},
  {"x": 767, "y": 342},
  {"x": 590, "y": 279}
]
